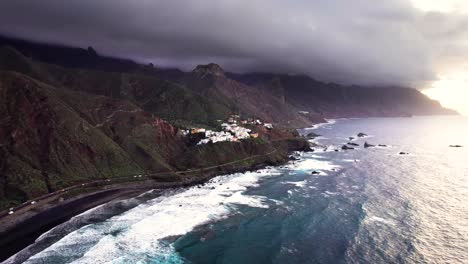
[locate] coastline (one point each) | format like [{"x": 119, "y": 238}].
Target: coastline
[{"x": 21, "y": 229}]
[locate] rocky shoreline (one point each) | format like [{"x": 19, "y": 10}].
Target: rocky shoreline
[{"x": 24, "y": 227}]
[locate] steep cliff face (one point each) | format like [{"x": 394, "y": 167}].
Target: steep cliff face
[
  {"x": 46, "y": 145},
  {"x": 332, "y": 100},
  {"x": 163, "y": 98},
  {"x": 51, "y": 138},
  {"x": 211, "y": 81},
  {"x": 199, "y": 97},
  {"x": 150, "y": 141}
]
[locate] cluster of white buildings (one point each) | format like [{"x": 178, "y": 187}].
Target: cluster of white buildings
[
  {"x": 215, "y": 136},
  {"x": 268, "y": 125},
  {"x": 238, "y": 131},
  {"x": 230, "y": 131}
]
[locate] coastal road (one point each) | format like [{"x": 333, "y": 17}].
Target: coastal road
[{"x": 31, "y": 204}]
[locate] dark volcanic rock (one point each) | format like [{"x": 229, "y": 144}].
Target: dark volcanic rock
[
  {"x": 313, "y": 135},
  {"x": 345, "y": 147},
  {"x": 293, "y": 158},
  {"x": 362, "y": 135},
  {"x": 209, "y": 69},
  {"x": 351, "y": 138},
  {"x": 382, "y": 145},
  {"x": 353, "y": 144},
  {"x": 315, "y": 172},
  {"x": 404, "y": 153},
  {"x": 456, "y": 146},
  {"x": 367, "y": 145}
]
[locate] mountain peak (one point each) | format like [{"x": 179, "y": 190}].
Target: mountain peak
[{"x": 209, "y": 69}]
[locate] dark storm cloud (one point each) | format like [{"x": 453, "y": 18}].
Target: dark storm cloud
[{"x": 358, "y": 41}]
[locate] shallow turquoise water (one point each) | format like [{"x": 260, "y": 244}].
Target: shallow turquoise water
[{"x": 366, "y": 206}]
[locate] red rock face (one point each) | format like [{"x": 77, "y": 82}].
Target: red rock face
[
  {"x": 274, "y": 134},
  {"x": 86, "y": 151},
  {"x": 164, "y": 127}
]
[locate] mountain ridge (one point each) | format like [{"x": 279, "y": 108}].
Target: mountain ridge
[{"x": 296, "y": 85}]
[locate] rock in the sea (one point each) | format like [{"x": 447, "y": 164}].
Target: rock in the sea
[
  {"x": 351, "y": 138},
  {"x": 293, "y": 158},
  {"x": 313, "y": 135},
  {"x": 382, "y": 145},
  {"x": 367, "y": 145},
  {"x": 346, "y": 147},
  {"x": 315, "y": 172},
  {"x": 353, "y": 144},
  {"x": 404, "y": 153},
  {"x": 456, "y": 146},
  {"x": 362, "y": 135}
]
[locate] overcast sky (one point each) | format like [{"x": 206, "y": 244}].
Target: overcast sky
[{"x": 355, "y": 41}]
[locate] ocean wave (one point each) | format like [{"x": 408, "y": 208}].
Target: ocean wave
[
  {"x": 381, "y": 220},
  {"x": 311, "y": 164},
  {"x": 134, "y": 233},
  {"x": 298, "y": 183}
]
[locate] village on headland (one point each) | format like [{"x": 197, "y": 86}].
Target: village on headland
[{"x": 233, "y": 129}]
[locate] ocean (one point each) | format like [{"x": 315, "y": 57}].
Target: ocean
[{"x": 366, "y": 205}]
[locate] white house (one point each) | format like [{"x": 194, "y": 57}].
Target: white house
[{"x": 268, "y": 125}]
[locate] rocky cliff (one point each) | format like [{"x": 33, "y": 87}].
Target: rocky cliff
[{"x": 334, "y": 101}]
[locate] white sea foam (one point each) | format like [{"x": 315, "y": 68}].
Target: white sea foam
[
  {"x": 381, "y": 220},
  {"x": 351, "y": 160},
  {"x": 310, "y": 164},
  {"x": 298, "y": 183},
  {"x": 141, "y": 229},
  {"x": 328, "y": 122},
  {"x": 129, "y": 236}
]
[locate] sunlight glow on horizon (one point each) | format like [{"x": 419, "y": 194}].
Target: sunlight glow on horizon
[
  {"x": 459, "y": 6},
  {"x": 451, "y": 91}
]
